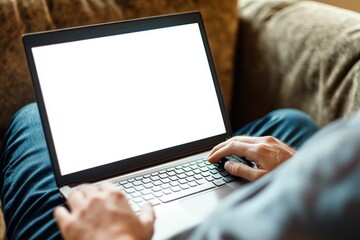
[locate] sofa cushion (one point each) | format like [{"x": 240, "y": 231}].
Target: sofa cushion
[
  {"x": 298, "y": 54},
  {"x": 18, "y": 17}
]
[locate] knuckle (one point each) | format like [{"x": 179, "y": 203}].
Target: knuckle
[
  {"x": 269, "y": 139},
  {"x": 117, "y": 195},
  {"x": 232, "y": 145}
]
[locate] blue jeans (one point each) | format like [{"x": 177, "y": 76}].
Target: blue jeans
[{"x": 28, "y": 188}]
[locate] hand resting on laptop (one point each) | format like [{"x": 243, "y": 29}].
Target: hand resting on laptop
[
  {"x": 104, "y": 213},
  {"x": 267, "y": 152}
]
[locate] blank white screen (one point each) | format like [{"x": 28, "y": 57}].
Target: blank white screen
[{"x": 121, "y": 96}]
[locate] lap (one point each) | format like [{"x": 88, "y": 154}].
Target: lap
[{"x": 28, "y": 188}]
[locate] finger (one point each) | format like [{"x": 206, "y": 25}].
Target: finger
[
  {"x": 88, "y": 190},
  {"x": 147, "y": 216},
  {"x": 244, "y": 171},
  {"x": 243, "y": 138},
  {"x": 62, "y": 216},
  {"x": 236, "y": 148},
  {"x": 107, "y": 187},
  {"x": 76, "y": 199}
]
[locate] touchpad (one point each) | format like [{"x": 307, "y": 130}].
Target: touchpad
[{"x": 202, "y": 205}]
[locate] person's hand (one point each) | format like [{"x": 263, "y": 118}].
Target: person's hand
[
  {"x": 267, "y": 152},
  {"x": 103, "y": 213}
]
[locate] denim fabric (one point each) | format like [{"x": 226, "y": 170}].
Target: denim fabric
[{"x": 28, "y": 188}]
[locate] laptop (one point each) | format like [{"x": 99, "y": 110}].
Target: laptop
[{"x": 138, "y": 104}]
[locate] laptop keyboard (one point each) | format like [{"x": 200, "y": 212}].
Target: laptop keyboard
[{"x": 176, "y": 182}]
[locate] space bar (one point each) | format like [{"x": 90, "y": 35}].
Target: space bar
[{"x": 187, "y": 192}]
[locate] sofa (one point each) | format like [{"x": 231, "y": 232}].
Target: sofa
[{"x": 268, "y": 54}]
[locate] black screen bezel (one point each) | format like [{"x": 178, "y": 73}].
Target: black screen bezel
[{"x": 108, "y": 29}]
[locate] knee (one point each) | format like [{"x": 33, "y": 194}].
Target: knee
[
  {"x": 293, "y": 118},
  {"x": 26, "y": 117}
]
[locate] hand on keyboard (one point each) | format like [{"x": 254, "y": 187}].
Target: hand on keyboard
[
  {"x": 266, "y": 152},
  {"x": 103, "y": 212}
]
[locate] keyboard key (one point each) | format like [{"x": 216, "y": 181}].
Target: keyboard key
[
  {"x": 182, "y": 175},
  {"x": 129, "y": 190},
  {"x": 189, "y": 174},
  {"x": 192, "y": 184},
  {"x": 205, "y": 174},
  {"x": 178, "y": 171},
  {"x": 171, "y": 173},
  {"x": 173, "y": 178},
  {"x": 219, "y": 182},
  {"x": 137, "y": 183},
  {"x": 187, "y": 192},
  {"x": 184, "y": 186},
  {"x": 204, "y": 169},
  {"x": 162, "y": 171},
  {"x": 146, "y": 180},
  {"x": 187, "y": 169},
  {"x": 198, "y": 177},
  {"x": 146, "y": 191},
  {"x": 155, "y": 174},
  {"x": 211, "y": 167},
  {"x": 131, "y": 180},
  {"x": 148, "y": 185},
  {"x": 165, "y": 180},
  {"x": 201, "y": 181},
  {"x": 193, "y": 167},
  {"x": 139, "y": 188},
  {"x": 156, "y": 188},
  {"x": 128, "y": 185},
  {"x": 189, "y": 179},
  {"x": 167, "y": 191},
  {"x": 158, "y": 194},
  {"x": 186, "y": 165},
  {"x": 224, "y": 174},
  {"x": 166, "y": 185},
  {"x": 154, "y": 178},
  {"x": 174, "y": 183},
  {"x": 157, "y": 183},
  {"x": 193, "y": 163},
  {"x": 170, "y": 169},
  {"x": 135, "y": 194},
  {"x": 123, "y": 182},
  {"x": 148, "y": 197},
  {"x": 216, "y": 176},
  {"x": 178, "y": 167},
  {"x": 139, "y": 178},
  {"x": 163, "y": 175},
  {"x": 147, "y": 176},
  {"x": 182, "y": 181},
  {"x": 197, "y": 171},
  {"x": 209, "y": 178},
  {"x": 229, "y": 178},
  {"x": 201, "y": 165},
  {"x": 176, "y": 189}
]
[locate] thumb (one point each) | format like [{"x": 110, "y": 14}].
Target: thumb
[
  {"x": 147, "y": 217},
  {"x": 244, "y": 171}
]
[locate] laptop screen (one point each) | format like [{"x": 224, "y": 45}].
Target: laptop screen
[{"x": 116, "y": 97}]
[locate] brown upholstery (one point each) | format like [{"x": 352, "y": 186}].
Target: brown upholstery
[{"x": 18, "y": 17}]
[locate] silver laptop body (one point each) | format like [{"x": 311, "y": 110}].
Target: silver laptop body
[{"x": 136, "y": 103}]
